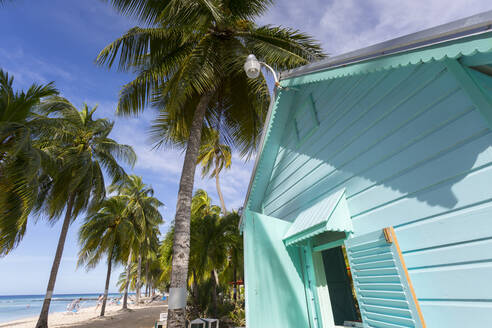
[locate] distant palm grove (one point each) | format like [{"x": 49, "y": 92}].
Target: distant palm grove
[{"x": 56, "y": 159}]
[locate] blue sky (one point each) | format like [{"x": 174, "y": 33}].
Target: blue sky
[{"x": 58, "y": 40}]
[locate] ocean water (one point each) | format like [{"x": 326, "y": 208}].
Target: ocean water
[{"x": 23, "y": 306}]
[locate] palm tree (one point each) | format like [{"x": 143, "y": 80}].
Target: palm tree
[
  {"x": 216, "y": 248},
  {"x": 81, "y": 150},
  {"x": 208, "y": 255},
  {"x": 189, "y": 63},
  {"x": 154, "y": 275},
  {"x": 149, "y": 249},
  {"x": 234, "y": 249},
  {"x": 20, "y": 162},
  {"x": 201, "y": 205},
  {"x": 166, "y": 256},
  {"x": 208, "y": 252},
  {"x": 105, "y": 232},
  {"x": 143, "y": 207},
  {"x": 214, "y": 156},
  {"x": 128, "y": 277}
]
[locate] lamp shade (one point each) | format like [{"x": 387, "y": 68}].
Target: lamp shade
[{"x": 252, "y": 67}]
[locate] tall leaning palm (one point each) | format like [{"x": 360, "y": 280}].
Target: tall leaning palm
[
  {"x": 105, "y": 232},
  {"x": 214, "y": 157},
  {"x": 81, "y": 151},
  {"x": 20, "y": 161},
  {"x": 189, "y": 63}
]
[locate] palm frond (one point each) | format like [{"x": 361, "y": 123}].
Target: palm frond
[
  {"x": 146, "y": 11},
  {"x": 20, "y": 161}
]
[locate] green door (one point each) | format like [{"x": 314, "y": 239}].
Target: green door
[{"x": 339, "y": 286}]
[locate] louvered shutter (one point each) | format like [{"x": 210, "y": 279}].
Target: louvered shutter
[{"x": 381, "y": 281}]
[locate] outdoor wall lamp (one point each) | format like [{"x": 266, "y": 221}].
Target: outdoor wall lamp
[{"x": 252, "y": 68}]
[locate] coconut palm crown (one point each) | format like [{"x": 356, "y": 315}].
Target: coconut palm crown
[
  {"x": 192, "y": 51},
  {"x": 20, "y": 161}
]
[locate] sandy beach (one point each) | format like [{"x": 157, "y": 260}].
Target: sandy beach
[{"x": 143, "y": 316}]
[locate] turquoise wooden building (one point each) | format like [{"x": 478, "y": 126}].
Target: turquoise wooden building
[{"x": 371, "y": 197}]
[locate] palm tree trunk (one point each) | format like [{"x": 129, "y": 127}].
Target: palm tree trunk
[
  {"x": 127, "y": 284},
  {"x": 181, "y": 244},
  {"x": 43, "y": 316},
  {"x": 106, "y": 287},
  {"x": 147, "y": 289},
  {"x": 234, "y": 288},
  {"x": 214, "y": 292},
  {"x": 195, "y": 286},
  {"x": 238, "y": 290},
  {"x": 217, "y": 185},
  {"x": 139, "y": 276}
]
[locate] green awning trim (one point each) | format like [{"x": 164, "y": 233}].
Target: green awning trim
[
  {"x": 454, "y": 49},
  {"x": 329, "y": 214}
]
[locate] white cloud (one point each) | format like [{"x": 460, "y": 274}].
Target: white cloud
[
  {"x": 28, "y": 69},
  {"x": 344, "y": 25},
  {"x": 164, "y": 163}
]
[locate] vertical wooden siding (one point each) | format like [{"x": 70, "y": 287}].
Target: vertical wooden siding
[{"x": 413, "y": 152}]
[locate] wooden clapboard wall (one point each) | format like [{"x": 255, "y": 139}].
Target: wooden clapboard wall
[
  {"x": 381, "y": 281},
  {"x": 412, "y": 150}
]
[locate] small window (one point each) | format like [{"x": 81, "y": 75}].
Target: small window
[{"x": 306, "y": 120}]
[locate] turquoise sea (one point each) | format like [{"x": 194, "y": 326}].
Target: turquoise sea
[{"x": 14, "y": 307}]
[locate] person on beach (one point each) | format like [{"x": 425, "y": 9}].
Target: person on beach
[
  {"x": 74, "y": 306},
  {"x": 99, "y": 301}
]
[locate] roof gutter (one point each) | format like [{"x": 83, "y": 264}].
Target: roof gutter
[{"x": 477, "y": 24}]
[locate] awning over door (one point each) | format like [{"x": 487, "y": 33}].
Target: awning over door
[{"x": 329, "y": 214}]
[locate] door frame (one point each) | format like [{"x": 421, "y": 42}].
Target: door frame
[{"x": 315, "y": 284}]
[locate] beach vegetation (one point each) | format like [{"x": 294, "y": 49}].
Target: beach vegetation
[{"x": 216, "y": 266}]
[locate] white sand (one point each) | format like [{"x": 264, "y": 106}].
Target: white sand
[{"x": 142, "y": 316}]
